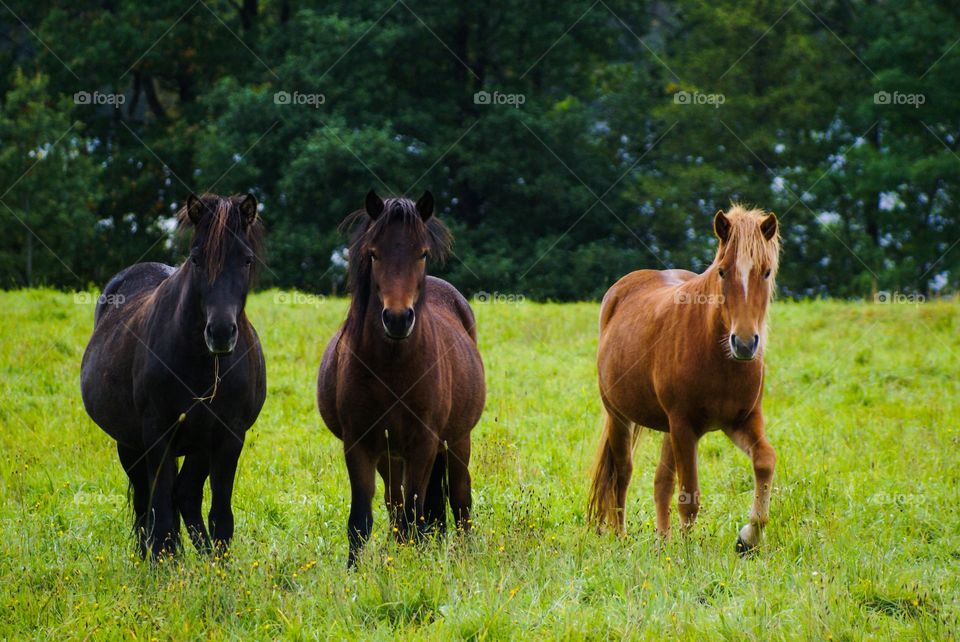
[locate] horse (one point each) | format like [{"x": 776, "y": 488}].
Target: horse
[
  {"x": 682, "y": 353},
  {"x": 402, "y": 381},
  {"x": 174, "y": 368}
]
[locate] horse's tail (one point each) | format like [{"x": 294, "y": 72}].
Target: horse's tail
[{"x": 611, "y": 471}]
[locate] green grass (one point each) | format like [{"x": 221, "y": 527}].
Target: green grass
[{"x": 864, "y": 540}]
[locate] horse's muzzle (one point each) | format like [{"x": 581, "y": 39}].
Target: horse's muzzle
[
  {"x": 221, "y": 338},
  {"x": 744, "y": 350},
  {"x": 398, "y": 325}
]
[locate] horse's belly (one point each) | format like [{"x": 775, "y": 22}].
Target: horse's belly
[
  {"x": 107, "y": 393},
  {"x": 626, "y": 385}
]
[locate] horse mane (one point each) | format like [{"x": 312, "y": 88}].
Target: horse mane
[
  {"x": 433, "y": 234},
  {"x": 750, "y": 244},
  {"x": 223, "y": 217}
]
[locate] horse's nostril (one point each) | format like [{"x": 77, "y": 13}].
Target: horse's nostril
[
  {"x": 409, "y": 316},
  {"x": 756, "y": 341}
]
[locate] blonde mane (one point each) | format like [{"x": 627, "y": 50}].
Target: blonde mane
[{"x": 745, "y": 235}]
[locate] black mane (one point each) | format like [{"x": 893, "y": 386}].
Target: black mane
[{"x": 223, "y": 217}]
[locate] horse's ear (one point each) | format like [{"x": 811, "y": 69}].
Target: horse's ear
[
  {"x": 425, "y": 206},
  {"x": 768, "y": 227},
  {"x": 374, "y": 205},
  {"x": 195, "y": 209},
  {"x": 248, "y": 207},
  {"x": 721, "y": 226}
]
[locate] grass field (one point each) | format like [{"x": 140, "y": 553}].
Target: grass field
[{"x": 862, "y": 403}]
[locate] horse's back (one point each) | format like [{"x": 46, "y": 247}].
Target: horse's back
[
  {"x": 129, "y": 283},
  {"x": 442, "y": 294},
  {"x": 639, "y": 290}
]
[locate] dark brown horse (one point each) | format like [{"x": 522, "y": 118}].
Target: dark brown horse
[
  {"x": 682, "y": 353},
  {"x": 402, "y": 382},
  {"x": 174, "y": 368}
]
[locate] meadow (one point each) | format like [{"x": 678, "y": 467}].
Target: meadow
[{"x": 861, "y": 401}]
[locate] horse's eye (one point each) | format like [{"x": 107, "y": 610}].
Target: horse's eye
[
  {"x": 195, "y": 259},
  {"x": 766, "y": 274},
  {"x": 721, "y": 272},
  {"x": 424, "y": 257},
  {"x": 374, "y": 257},
  {"x": 248, "y": 261}
]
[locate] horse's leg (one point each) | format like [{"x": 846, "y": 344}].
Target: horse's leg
[
  {"x": 362, "y": 471},
  {"x": 223, "y": 472},
  {"x": 189, "y": 497},
  {"x": 750, "y": 438},
  {"x": 417, "y": 471},
  {"x": 664, "y": 483},
  {"x": 391, "y": 472},
  {"x": 435, "y": 502},
  {"x": 683, "y": 442},
  {"x": 461, "y": 500},
  {"x": 162, "y": 516},
  {"x": 135, "y": 465}
]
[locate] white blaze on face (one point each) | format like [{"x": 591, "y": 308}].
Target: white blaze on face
[{"x": 744, "y": 267}]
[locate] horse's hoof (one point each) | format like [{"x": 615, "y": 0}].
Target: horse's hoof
[{"x": 743, "y": 548}]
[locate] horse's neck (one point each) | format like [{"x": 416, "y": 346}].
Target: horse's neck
[
  {"x": 705, "y": 286},
  {"x": 177, "y": 306}
]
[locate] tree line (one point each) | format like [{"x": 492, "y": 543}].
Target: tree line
[{"x": 566, "y": 143}]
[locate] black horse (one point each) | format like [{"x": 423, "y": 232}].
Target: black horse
[{"x": 174, "y": 368}]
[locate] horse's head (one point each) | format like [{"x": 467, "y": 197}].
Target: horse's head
[
  {"x": 388, "y": 257},
  {"x": 223, "y": 256},
  {"x": 745, "y": 266}
]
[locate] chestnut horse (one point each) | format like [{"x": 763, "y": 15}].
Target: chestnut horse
[
  {"x": 402, "y": 382},
  {"x": 682, "y": 353},
  {"x": 174, "y": 368}
]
